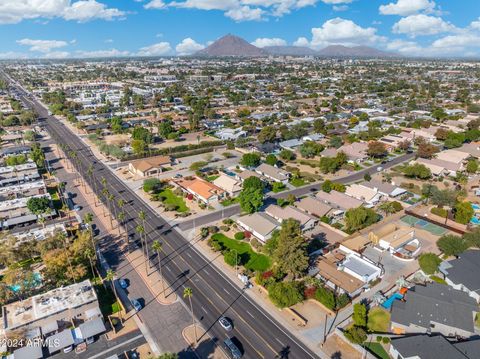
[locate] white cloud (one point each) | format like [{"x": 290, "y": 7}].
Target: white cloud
[
  {"x": 340, "y": 7},
  {"x": 461, "y": 41},
  {"x": 10, "y": 55},
  {"x": 158, "y": 49},
  {"x": 14, "y": 11},
  {"x": 56, "y": 55},
  {"x": 240, "y": 10},
  {"x": 188, "y": 46},
  {"x": 407, "y": 7},
  {"x": 44, "y": 46},
  {"x": 475, "y": 24},
  {"x": 344, "y": 32},
  {"x": 416, "y": 25},
  {"x": 265, "y": 41},
  {"x": 302, "y": 41},
  {"x": 404, "y": 47},
  {"x": 333, "y": 2},
  {"x": 102, "y": 53}
]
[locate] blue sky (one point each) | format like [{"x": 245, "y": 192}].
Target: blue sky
[{"x": 97, "y": 28}]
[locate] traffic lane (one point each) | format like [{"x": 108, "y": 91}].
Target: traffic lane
[{"x": 149, "y": 209}]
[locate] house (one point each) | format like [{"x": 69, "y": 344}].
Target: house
[
  {"x": 434, "y": 308},
  {"x": 19, "y": 173},
  {"x": 356, "y": 152},
  {"x": 291, "y": 145},
  {"x": 432, "y": 347},
  {"x": 462, "y": 273},
  {"x": 202, "y": 190},
  {"x": 340, "y": 281},
  {"x": 472, "y": 148},
  {"x": 273, "y": 173},
  {"x": 412, "y": 133},
  {"x": 364, "y": 194},
  {"x": 259, "y": 224},
  {"x": 400, "y": 242},
  {"x": 15, "y": 211},
  {"x": 313, "y": 137},
  {"x": 229, "y": 184},
  {"x": 384, "y": 188},
  {"x": 151, "y": 166},
  {"x": 230, "y": 133},
  {"x": 314, "y": 207},
  {"x": 338, "y": 200},
  {"x": 453, "y": 156},
  {"x": 14, "y": 151},
  {"x": 242, "y": 176},
  {"x": 26, "y": 189},
  {"x": 306, "y": 221},
  {"x": 360, "y": 268},
  {"x": 440, "y": 167},
  {"x": 51, "y": 310}
]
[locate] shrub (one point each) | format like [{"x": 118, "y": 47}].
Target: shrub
[
  {"x": 228, "y": 221},
  {"x": 151, "y": 184},
  {"x": 231, "y": 258},
  {"x": 356, "y": 335},
  {"x": 326, "y": 297},
  {"x": 309, "y": 292},
  {"x": 429, "y": 262},
  {"x": 224, "y": 228},
  {"x": 379, "y": 338},
  {"x": 285, "y": 294},
  {"x": 442, "y": 212},
  {"x": 239, "y": 236},
  {"x": 386, "y": 340}
]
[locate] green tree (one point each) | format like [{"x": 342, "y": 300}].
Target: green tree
[
  {"x": 463, "y": 212},
  {"x": 37, "y": 155},
  {"x": 168, "y": 356},
  {"x": 38, "y": 205},
  {"x": 360, "y": 315},
  {"x": 291, "y": 254},
  {"x": 251, "y": 196},
  {"x": 250, "y": 160},
  {"x": 142, "y": 134},
  {"x": 376, "y": 149},
  {"x": 151, "y": 184},
  {"x": 165, "y": 128},
  {"x": 287, "y": 155},
  {"x": 157, "y": 247},
  {"x": 452, "y": 245},
  {"x": 267, "y": 134},
  {"x": 417, "y": 170},
  {"x": 367, "y": 177},
  {"x": 359, "y": 218},
  {"x": 472, "y": 166},
  {"x": 336, "y": 142},
  {"x": 310, "y": 149},
  {"x": 285, "y": 294},
  {"x": 188, "y": 293},
  {"x": 429, "y": 262},
  {"x": 139, "y": 146},
  {"x": 271, "y": 159}
]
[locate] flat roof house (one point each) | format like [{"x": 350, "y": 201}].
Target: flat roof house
[
  {"x": 314, "y": 206},
  {"x": 440, "y": 167},
  {"x": 384, "y": 188},
  {"x": 434, "y": 308},
  {"x": 454, "y": 156},
  {"x": 15, "y": 211},
  {"x": 273, "y": 173},
  {"x": 363, "y": 194},
  {"x": 151, "y": 166},
  {"x": 338, "y": 200},
  {"x": 360, "y": 268},
  {"x": 306, "y": 221},
  {"x": 259, "y": 224},
  {"x": 462, "y": 273},
  {"x": 18, "y": 174},
  {"x": 339, "y": 281},
  {"x": 202, "y": 190},
  {"x": 229, "y": 184}
]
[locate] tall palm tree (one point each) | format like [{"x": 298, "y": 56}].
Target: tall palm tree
[
  {"x": 158, "y": 248},
  {"x": 141, "y": 231},
  {"x": 110, "y": 276},
  {"x": 88, "y": 219},
  {"x": 188, "y": 293},
  {"x": 105, "y": 193},
  {"x": 142, "y": 215},
  {"x": 41, "y": 220},
  {"x": 90, "y": 254},
  {"x": 121, "y": 220},
  {"x": 111, "y": 205}
]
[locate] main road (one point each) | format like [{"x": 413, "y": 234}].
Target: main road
[{"x": 214, "y": 295}]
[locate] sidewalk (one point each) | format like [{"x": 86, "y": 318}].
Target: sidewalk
[{"x": 205, "y": 348}]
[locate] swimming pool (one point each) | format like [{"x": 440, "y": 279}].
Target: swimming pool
[
  {"x": 388, "y": 303},
  {"x": 37, "y": 280},
  {"x": 476, "y": 207},
  {"x": 475, "y": 221}
]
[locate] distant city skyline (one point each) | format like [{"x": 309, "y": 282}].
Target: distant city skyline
[{"x": 108, "y": 28}]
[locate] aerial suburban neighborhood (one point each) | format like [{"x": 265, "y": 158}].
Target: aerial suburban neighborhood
[{"x": 244, "y": 201}]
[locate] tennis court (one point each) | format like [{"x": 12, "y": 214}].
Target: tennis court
[{"x": 423, "y": 224}]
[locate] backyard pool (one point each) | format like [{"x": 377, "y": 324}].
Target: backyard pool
[
  {"x": 475, "y": 221},
  {"x": 37, "y": 281},
  {"x": 476, "y": 207},
  {"x": 388, "y": 303}
]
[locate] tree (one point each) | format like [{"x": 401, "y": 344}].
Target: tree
[
  {"x": 165, "y": 128},
  {"x": 359, "y": 218},
  {"x": 360, "y": 315},
  {"x": 336, "y": 142},
  {"x": 37, "y": 155},
  {"x": 271, "y": 159},
  {"x": 142, "y": 134},
  {"x": 376, "y": 149},
  {"x": 267, "y": 134},
  {"x": 251, "y": 196},
  {"x": 151, "y": 184},
  {"x": 38, "y": 205},
  {"x": 143, "y": 216},
  {"x": 417, "y": 170},
  {"x": 250, "y": 160},
  {"x": 310, "y": 149},
  {"x": 426, "y": 150},
  {"x": 285, "y": 294},
  {"x": 404, "y": 145},
  {"x": 429, "y": 262},
  {"x": 441, "y": 134},
  {"x": 158, "y": 248},
  {"x": 444, "y": 197},
  {"x": 88, "y": 219},
  {"x": 463, "y": 212},
  {"x": 367, "y": 177},
  {"x": 439, "y": 114},
  {"x": 472, "y": 166},
  {"x": 188, "y": 293},
  {"x": 138, "y": 146},
  {"x": 287, "y": 155},
  {"x": 390, "y": 207},
  {"x": 291, "y": 255},
  {"x": 452, "y": 245},
  {"x": 356, "y": 335},
  {"x": 454, "y": 139},
  {"x": 168, "y": 356},
  {"x": 333, "y": 164}
]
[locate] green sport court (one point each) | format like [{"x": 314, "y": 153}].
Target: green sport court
[{"x": 423, "y": 224}]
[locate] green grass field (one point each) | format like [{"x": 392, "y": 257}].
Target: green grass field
[
  {"x": 378, "y": 320},
  {"x": 377, "y": 350},
  {"x": 172, "y": 198},
  {"x": 297, "y": 182},
  {"x": 250, "y": 259}
]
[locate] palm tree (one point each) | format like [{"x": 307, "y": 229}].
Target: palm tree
[
  {"x": 121, "y": 219},
  {"x": 110, "y": 276},
  {"x": 158, "y": 248},
  {"x": 105, "y": 195},
  {"x": 187, "y": 293},
  {"x": 111, "y": 205},
  {"x": 142, "y": 217},
  {"x": 141, "y": 231},
  {"x": 90, "y": 254},
  {"x": 41, "y": 219},
  {"x": 88, "y": 219}
]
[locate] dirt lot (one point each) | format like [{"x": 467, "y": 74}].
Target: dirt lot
[
  {"x": 337, "y": 348},
  {"x": 188, "y": 139},
  {"x": 119, "y": 140}
]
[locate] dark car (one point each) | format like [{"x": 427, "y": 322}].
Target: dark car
[
  {"x": 123, "y": 283},
  {"x": 232, "y": 350},
  {"x": 136, "y": 304}
]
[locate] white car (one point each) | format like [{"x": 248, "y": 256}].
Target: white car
[{"x": 225, "y": 324}]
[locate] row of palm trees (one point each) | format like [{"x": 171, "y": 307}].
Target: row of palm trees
[{"x": 157, "y": 246}]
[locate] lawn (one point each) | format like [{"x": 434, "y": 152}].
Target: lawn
[
  {"x": 172, "y": 198},
  {"x": 378, "y": 320},
  {"x": 297, "y": 182},
  {"x": 477, "y": 320},
  {"x": 248, "y": 257},
  {"x": 229, "y": 201},
  {"x": 107, "y": 301},
  {"x": 377, "y": 350},
  {"x": 212, "y": 178}
]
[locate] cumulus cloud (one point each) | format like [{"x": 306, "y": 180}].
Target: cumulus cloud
[
  {"x": 158, "y": 49},
  {"x": 343, "y": 32},
  {"x": 336, "y": 2},
  {"x": 417, "y": 25},
  {"x": 188, "y": 46},
  {"x": 102, "y": 53},
  {"x": 241, "y": 10},
  {"x": 265, "y": 41},
  {"x": 42, "y": 45},
  {"x": 302, "y": 41},
  {"x": 14, "y": 11},
  {"x": 407, "y": 7}
]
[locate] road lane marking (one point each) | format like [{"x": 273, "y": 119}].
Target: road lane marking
[
  {"x": 226, "y": 291},
  {"x": 250, "y": 314},
  {"x": 278, "y": 340},
  {"x": 189, "y": 255},
  {"x": 204, "y": 309}
]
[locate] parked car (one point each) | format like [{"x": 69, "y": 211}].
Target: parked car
[
  {"x": 136, "y": 304},
  {"x": 225, "y": 323},
  {"x": 123, "y": 283},
  {"x": 77, "y": 207}
]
